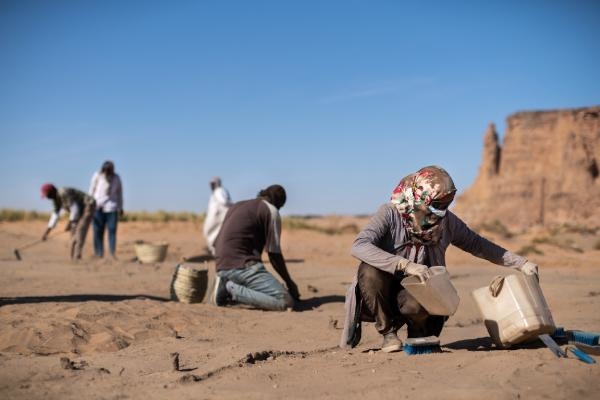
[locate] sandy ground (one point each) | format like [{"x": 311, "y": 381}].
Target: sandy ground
[{"x": 114, "y": 322}]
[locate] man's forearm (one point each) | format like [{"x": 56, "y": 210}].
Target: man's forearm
[{"x": 278, "y": 263}]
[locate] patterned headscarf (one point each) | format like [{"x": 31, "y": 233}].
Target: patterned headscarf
[{"x": 422, "y": 199}]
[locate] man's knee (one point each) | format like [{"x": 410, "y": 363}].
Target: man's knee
[{"x": 283, "y": 302}]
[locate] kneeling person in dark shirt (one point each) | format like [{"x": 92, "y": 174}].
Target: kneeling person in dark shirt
[{"x": 250, "y": 227}]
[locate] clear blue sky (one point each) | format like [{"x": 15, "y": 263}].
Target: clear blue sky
[{"x": 335, "y": 100}]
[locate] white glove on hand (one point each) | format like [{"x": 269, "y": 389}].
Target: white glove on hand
[
  {"x": 411, "y": 268},
  {"x": 529, "y": 268}
]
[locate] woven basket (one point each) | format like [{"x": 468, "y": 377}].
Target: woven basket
[
  {"x": 189, "y": 283},
  {"x": 151, "y": 252}
]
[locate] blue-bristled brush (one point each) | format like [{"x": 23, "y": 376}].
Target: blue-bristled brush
[
  {"x": 422, "y": 345},
  {"x": 589, "y": 338},
  {"x": 585, "y": 341},
  {"x": 559, "y": 333}
]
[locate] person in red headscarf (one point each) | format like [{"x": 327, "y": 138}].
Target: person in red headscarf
[{"x": 80, "y": 207}]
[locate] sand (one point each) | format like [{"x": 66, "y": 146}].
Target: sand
[{"x": 106, "y": 329}]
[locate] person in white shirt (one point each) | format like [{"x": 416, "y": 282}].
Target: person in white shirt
[
  {"x": 218, "y": 204},
  {"x": 107, "y": 190}
]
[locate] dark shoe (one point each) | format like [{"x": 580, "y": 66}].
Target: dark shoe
[
  {"x": 218, "y": 294},
  {"x": 391, "y": 343}
]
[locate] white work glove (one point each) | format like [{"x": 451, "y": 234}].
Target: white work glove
[
  {"x": 411, "y": 268},
  {"x": 529, "y": 268}
]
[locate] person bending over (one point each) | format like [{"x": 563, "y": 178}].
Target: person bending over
[{"x": 80, "y": 207}]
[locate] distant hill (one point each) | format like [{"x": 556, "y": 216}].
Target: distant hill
[{"x": 546, "y": 172}]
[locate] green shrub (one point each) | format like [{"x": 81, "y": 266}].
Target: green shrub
[
  {"x": 580, "y": 229},
  {"x": 11, "y": 215},
  {"x": 162, "y": 216},
  {"x": 561, "y": 243},
  {"x": 498, "y": 228},
  {"x": 529, "y": 249},
  {"x": 298, "y": 223}
]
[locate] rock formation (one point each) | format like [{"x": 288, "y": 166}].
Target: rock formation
[{"x": 547, "y": 172}]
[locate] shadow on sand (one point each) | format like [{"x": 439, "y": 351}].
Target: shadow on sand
[
  {"x": 303, "y": 305},
  {"x": 76, "y": 298},
  {"x": 200, "y": 258},
  {"x": 486, "y": 344},
  {"x": 476, "y": 344},
  {"x": 314, "y": 302}
]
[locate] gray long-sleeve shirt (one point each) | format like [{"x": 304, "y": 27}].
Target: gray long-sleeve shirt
[{"x": 383, "y": 242}]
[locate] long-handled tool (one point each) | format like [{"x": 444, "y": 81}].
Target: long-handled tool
[
  {"x": 581, "y": 355},
  {"x": 552, "y": 345},
  {"x": 25, "y": 246}
]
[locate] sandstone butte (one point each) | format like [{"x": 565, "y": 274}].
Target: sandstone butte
[{"x": 545, "y": 173}]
